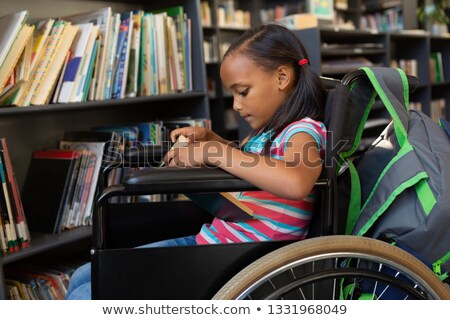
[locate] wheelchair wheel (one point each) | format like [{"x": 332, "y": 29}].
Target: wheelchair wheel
[{"x": 336, "y": 267}]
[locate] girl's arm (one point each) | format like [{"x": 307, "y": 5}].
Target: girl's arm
[{"x": 293, "y": 177}]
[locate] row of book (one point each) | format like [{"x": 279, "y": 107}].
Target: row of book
[
  {"x": 388, "y": 20},
  {"x": 97, "y": 55},
  {"x": 73, "y": 170},
  {"x": 282, "y": 10},
  {"x": 227, "y": 15},
  {"x": 14, "y": 233},
  {"x": 407, "y": 65},
  {"x": 46, "y": 280}
]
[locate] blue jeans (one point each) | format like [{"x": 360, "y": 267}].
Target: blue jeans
[{"x": 80, "y": 283}]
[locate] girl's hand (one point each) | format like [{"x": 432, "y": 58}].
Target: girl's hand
[
  {"x": 196, "y": 154},
  {"x": 193, "y": 134}
]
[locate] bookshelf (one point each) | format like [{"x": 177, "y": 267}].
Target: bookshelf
[
  {"x": 219, "y": 30},
  {"x": 380, "y": 15},
  {"x": 38, "y": 127}
]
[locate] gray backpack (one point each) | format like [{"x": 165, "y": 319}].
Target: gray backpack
[{"x": 400, "y": 187}]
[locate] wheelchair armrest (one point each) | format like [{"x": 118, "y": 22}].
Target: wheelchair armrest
[
  {"x": 189, "y": 180},
  {"x": 183, "y": 180}
]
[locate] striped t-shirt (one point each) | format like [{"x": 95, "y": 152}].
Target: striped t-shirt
[{"x": 275, "y": 218}]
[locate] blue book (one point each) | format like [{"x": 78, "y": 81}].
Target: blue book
[{"x": 123, "y": 53}]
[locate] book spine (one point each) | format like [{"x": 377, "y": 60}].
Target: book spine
[{"x": 14, "y": 246}]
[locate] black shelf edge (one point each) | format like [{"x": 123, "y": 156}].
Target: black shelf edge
[
  {"x": 41, "y": 242},
  {"x": 355, "y": 51},
  {"x": 100, "y": 104},
  {"x": 440, "y": 84},
  {"x": 233, "y": 29}
]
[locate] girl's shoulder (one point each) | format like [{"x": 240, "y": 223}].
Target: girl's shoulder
[{"x": 304, "y": 124}]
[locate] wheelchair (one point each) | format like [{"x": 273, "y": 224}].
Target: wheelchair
[{"x": 328, "y": 265}]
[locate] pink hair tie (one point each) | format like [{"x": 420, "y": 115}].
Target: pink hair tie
[{"x": 302, "y": 62}]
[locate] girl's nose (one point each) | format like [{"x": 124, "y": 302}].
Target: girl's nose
[{"x": 236, "y": 106}]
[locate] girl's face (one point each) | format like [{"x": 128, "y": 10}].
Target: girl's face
[{"x": 257, "y": 93}]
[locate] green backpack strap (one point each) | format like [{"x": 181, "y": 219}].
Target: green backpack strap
[
  {"x": 391, "y": 85},
  {"x": 396, "y": 101}
]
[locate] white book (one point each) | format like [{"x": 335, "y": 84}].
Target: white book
[
  {"x": 79, "y": 85},
  {"x": 106, "y": 88},
  {"x": 78, "y": 50},
  {"x": 161, "y": 48},
  {"x": 103, "y": 19},
  {"x": 10, "y": 26},
  {"x": 179, "y": 73}
]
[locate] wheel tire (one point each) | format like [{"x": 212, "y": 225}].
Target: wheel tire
[{"x": 308, "y": 249}]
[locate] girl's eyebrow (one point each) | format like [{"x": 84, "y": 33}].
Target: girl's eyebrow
[{"x": 234, "y": 85}]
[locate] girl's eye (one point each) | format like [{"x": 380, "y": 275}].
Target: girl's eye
[{"x": 243, "y": 93}]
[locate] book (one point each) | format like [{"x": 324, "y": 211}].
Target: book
[
  {"x": 106, "y": 89},
  {"x": 73, "y": 69},
  {"x": 21, "y": 223},
  {"x": 7, "y": 209},
  {"x": 103, "y": 19},
  {"x": 10, "y": 26},
  {"x": 43, "y": 202},
  {"x": 13, "y": 55},
  {"x": 40, "y": 36},
  {"x": 50, "y": 77},
  {"x": 43, "y": 63},
  {"x": 299, "y": 21},
  {"x": 135, "y": 54},
  {"x": 82, "y": 75},
  {"x": 123, "y": 55},
  {"x": 223, "y": 205},
  {"x": 95, "y": 159}
]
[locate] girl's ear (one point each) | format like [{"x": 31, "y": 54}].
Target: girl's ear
[{"x": 284, "y": 77}]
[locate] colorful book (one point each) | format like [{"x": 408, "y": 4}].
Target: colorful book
[
  {"x": 7, "y": 209},
  {"x": 123, "y": 55},
  {"x": 43, "y": 63},
  {"x": 20, "y": 220},
  {"x": 40, "y": 37},
  {"x": 106, "y": 90},
  {"x": 49, "y": 79},
  {"x": 135, "y": 46},
  {"x": 96, "y": 151}
]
